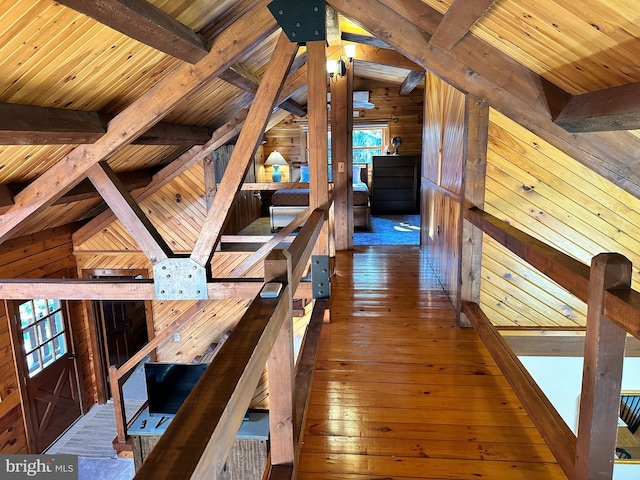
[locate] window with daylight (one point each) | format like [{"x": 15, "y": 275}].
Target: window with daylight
[
  {"x": 367, "y": 142},
  {"x": 43, "y": 333}
]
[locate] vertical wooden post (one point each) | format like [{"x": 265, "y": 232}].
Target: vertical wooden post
[
  {"x": 318, "y": 145},
  {"x": 602, "y": 372},
  {"x": 342, "y": 158},
  {"x": 118, "y": 404},
  {"x": 280, "y": 368},
  {"x": 476, "y": 133}
]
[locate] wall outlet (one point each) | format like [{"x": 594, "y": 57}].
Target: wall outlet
[{"x": 176, "y": 337}]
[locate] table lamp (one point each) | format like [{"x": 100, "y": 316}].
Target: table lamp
[{"x": 275, "y": 159}]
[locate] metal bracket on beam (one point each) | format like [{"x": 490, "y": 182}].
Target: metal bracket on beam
[
  {"x": 180, "y": 279},
  {"x": 320, "y": 276},
  {"x": 302, "y": 21}
]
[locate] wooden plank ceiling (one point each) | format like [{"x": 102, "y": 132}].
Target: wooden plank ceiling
[{"x": 66, "y": 70}]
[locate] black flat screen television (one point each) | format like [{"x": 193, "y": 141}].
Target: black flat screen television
[{"x": 169, "y": 384}]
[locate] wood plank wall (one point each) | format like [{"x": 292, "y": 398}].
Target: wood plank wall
[
  {"x": 402, "y": 113},
  {"x": 549, "y": 195},
  {"x": 442, "y": 180},
  {"x": 45, "y": 254},
  {"x": 178, "y": 211}
]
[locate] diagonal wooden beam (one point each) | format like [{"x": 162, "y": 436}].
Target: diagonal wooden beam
[
  {"x": 146, "y": 23},
  {"x": 185, "y": 161},
  {"x": 250, "y": 136},
  {"x": 478, "y": 68},
  {"x": 168, "y": 173},
  {"x": 148, "y": 110},
  {"x": 412, "y": 81},
  {"x": 457, "y": 21},
  {"x": 615, "y": 108},
  {"x": 264, "y": 250},
  {"x": 245, "y": 80},
  {"x": 129, "y": 212},
  {"x": 364, "y": 40}
]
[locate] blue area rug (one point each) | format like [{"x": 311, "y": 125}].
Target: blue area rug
[{"x": 390, "y": 230}]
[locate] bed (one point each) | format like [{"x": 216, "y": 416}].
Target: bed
[{"x": 289, "y": 203}]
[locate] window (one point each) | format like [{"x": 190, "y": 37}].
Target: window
[
  {"x": 367, "y": 142},
  {"x": 43, "y": 333}
]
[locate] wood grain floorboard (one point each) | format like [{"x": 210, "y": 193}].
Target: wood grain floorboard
[{"x": 400, "y": 392}]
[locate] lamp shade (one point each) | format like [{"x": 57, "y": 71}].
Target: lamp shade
[
  {"x": 275, "y": 158},
  {"x": 350, "y": 50}
]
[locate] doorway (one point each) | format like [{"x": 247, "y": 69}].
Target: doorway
[
  {"x": 46, "y": 363},
  {"x": 120, "y": 328}
]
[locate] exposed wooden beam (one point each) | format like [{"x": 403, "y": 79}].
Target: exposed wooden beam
[
  {"x": 364, "y": 39},
  {"x": 384, "y": 56},
  {"x": 342, "y": 159},
  {"x": 129, "y": 212},
  {"x": 293, "y": 107},
  {"x": 81, "y": 289},
  {"x": 332, "y": 23},
  {"x": 185, "y": 161},
  {"x": 83, "y": 191},
  {"x": 476, "y": 67},
  {"x": 550, "y": 424},
  {"x": 616, "y": 108},
  {"x": 146, "y": 23},
  {"x": 146, "y": 111},
  {"x": 457, "y": 21},
  {"x": 602, "y": 371},
  {"x": 241, "y": 78},
  {"x": 245, "y": 80},
  {"x": 621, "y": 306},
  {"x": 474, "y": 171},
  {"x": 164, "y": 176},
  {"x": 250, "y": 136},
  {"x": 164, "y": 133},
  {"x": 318, "y": 128},
  {"x": 556, "y": 343},
  {"x": 34, "y": 125},
  {"x": 412, "y": 81}
]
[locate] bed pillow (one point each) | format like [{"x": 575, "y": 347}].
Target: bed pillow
[{"x": 304, "y": 173}]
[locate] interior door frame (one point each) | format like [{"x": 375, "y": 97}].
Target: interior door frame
[
  {"x": 97, "y": 358},
  {"x": 19, "y": 353}
]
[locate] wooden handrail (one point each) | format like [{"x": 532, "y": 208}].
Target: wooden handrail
[
  {"x": 199, "y": 438},
  {"x": 621, "y": 306},
  {"x": 554, "y": 430}
]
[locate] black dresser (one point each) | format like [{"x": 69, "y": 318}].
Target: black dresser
[{"x": 395, "y": 184}]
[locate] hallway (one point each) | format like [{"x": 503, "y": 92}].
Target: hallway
[{"x": 400, "y": 392}]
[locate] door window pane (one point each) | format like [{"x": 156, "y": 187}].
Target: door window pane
[
  {"x": 33, "y": 363},
  {"x": 26, "y": 314},
  {"x": 41, "y": 309},
  {"x": 57, "y": 325},
  {"x": 46, "y": 353},
  {"x": 59, "y": 346},
  {"x": 43, "y": 333}
]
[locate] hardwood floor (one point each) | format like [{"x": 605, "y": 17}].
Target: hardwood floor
[{"x": 401, "y": 393}]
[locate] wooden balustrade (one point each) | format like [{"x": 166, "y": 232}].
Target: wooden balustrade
[
  {"x": 199, "y": 438},
  {"x": 119, "y": 375},
  {"x": 613, "y": 310}
]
